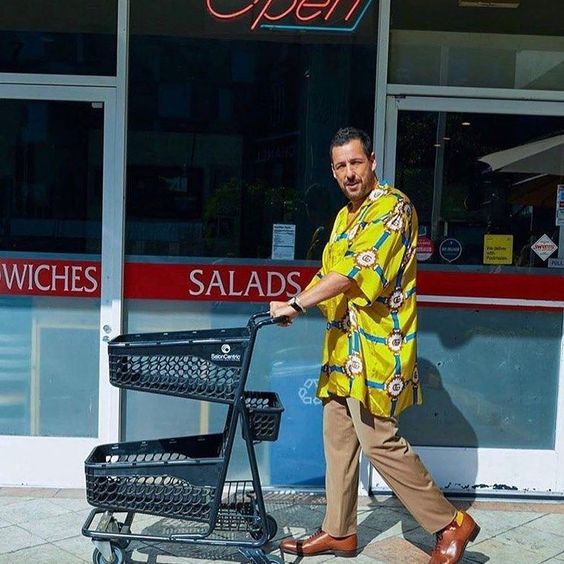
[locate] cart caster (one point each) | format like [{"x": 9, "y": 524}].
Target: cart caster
[
  {"x": 118, "y": 527},
  {"x": 271, "y": 527},
  {"x": 122, "y": 543},
  {"x": 118, "y": 554}
]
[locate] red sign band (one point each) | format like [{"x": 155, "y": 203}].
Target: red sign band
[{"x": 246, "y": 283}]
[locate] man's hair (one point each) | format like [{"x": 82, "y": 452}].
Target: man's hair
[{"x": 347, "y": 134}]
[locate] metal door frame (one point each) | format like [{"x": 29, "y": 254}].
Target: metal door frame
[
  {"x": 62, "y": 458},
  {"x": 453, "y": 465}
]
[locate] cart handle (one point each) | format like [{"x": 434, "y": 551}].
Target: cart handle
[{"x": 256, "y": 325}]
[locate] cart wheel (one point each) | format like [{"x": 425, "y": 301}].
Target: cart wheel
[
  {"x": 271, "y": 527},
  {"x": 119, "y": 556}
]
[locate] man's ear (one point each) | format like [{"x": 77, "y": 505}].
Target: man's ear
[
  {"x": 333, "y": 172},
  {"x": 373, "y": 159}
]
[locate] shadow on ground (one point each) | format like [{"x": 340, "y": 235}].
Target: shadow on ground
[{"x": 301, "y": 515}]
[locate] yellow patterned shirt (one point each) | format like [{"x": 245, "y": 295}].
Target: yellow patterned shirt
[{"x": 369, "y": 350}]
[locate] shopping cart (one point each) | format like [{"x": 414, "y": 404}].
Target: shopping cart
[{"x": 184, "y": 479}]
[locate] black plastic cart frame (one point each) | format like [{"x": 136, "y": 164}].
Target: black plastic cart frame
[{"x": 184, "y": 478}]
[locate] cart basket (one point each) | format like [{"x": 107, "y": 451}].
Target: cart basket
[
  {"x": 265, "y": 410},
  {"x": 175, "y": 478},
  {"x": 203, "y": 365}
]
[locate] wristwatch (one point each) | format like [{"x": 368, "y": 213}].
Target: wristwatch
[{"x": 296, "y": 304}]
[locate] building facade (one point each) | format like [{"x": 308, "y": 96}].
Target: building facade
[{"x": 165, "y": 166}]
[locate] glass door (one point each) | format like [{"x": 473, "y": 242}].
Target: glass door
[
  {"x": 485, "y": 176},
  {"x": 55, "y": 403}
]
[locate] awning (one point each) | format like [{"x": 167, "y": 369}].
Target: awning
[{"x": 539, "y": 157}]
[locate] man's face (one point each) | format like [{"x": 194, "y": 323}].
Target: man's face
[{"x": 353, "y": 171}]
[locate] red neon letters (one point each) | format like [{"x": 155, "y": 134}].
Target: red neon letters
[{"x": 303, "y": 11}]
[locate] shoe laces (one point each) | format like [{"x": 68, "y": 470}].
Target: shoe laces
[
  {"x": 438, "y": 538},
  {"x": 316, "y": 534}
]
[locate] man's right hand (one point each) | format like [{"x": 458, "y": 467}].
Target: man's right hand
[{"x": 279, "y": 309}]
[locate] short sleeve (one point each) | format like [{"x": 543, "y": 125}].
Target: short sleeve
[{"x": 376, "y": 252}]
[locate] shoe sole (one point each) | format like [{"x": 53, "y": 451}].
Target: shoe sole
[
  {"x": 339, "y": 553},
  {"x": 475, "y": 532}
]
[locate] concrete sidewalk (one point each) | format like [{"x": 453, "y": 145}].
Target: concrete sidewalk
[{"x": 39, "y": 526}]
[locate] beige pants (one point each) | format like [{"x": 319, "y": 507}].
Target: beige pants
[{"x": 347, "y": 428}]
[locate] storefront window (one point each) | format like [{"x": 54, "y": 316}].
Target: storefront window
[
  {"x": 457, "y": 44},
  {"x": 51, "y": 176},
  {"x": 229, "y": 126},
  {"x": 290, "y": 369},
  {"x": 489, "y": 379},
  {"x": 51, "y": 155},
  {"x": 482, "y": 182},
  {"x": 76, "y": 38}
]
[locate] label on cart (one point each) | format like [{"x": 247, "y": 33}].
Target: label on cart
[{"x": 226, "y": 355}]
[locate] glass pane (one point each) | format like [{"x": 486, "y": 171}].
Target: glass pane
[
  {"x": 476, "y": 175},
  {"x": 229, "y": 129},
  {"x": 291, "y": 370},
  {"x": 51, "y": 160},
  {"x": 454, "y": 45},
  {"x": 49, "y": 366},
  {"x": 490, "y": 379},
  {"x": 58, "y": 36},
  {"x": 51, "y": 156}
]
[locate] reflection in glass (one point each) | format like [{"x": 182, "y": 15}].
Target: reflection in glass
[
  {"x": 227, "y": 137},
  {"x": 475, "y": 174},
  {"x": 58, "y": 37},
  {"x": 519, "y": 48},
  {"x": 51, "y": 176}
]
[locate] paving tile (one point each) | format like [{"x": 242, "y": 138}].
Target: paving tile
[
  {"x": 396, "y": 550},
  {"x": 10, "y": 500},
  {"x": 382, "y": 518},
  {"x": 69, "y": 493},
  {"x": 71, "y": 504},
  {"x": 493, "y": 523},
  {"x": 541, "y": 543},
  {"x": 496, "y": 552},
  {"x": 388, "y": 524},
  {"x": 30, "y": 510},
  {"x": 46, "y": 554},
  {"x": 79, "y": 546},
  {"x": 553, "y": 523},
  {"x": 57, "y": 528},
  {"x": 35, "y": 493},
  {"x": 516, "y": 506},
  {"x": 15, "y": 538}
]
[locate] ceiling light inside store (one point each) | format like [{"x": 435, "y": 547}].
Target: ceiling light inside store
[
  {"x": 486, "y": 4},
  {"x": 466, "y": 123}
]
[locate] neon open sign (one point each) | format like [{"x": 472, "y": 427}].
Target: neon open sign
[{"x": 306, "y": 15}]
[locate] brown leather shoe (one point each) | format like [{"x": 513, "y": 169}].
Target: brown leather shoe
[
  {"x": 321, "y": 543},
  {"x": 452, "y": 540}
]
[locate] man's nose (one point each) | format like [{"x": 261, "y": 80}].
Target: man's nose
[{"x": 350, "y": 171}]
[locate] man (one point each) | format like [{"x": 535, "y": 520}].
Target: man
[{"x": 366, "y": 290}]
